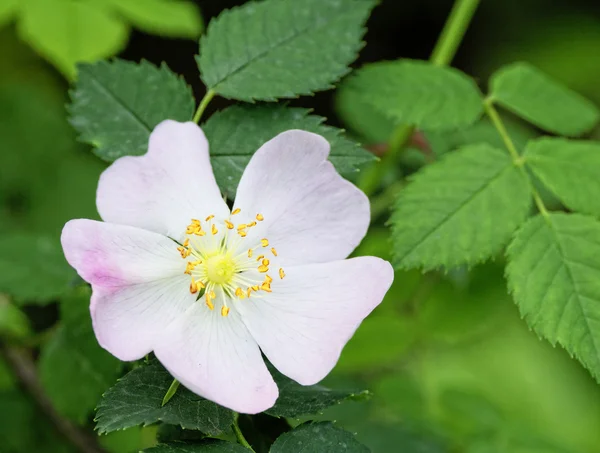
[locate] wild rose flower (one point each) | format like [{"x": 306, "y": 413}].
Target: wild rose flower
[{"x": 174, "y": 271}]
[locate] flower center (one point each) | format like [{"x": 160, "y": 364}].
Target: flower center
[
  {"x": 226, "y": 263},
  {"x": 220, "y": 269}
]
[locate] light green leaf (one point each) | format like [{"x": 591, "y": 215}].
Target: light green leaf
[
  {"x": 175, "y": 18},
  {"x": 460, "y": 210},
  {"x": 74, "y": 369},
  {"x": 205, "y": 446},
  {"x": 554, "y": 275},
  {"x": 116, "y": 105},
  {"x": 137, "y": 400},
  {"x": 234, "y": 134},
  {"x": 14, "y": 324},
  {"x": 296, "y": 400},
  {"x": 33, "y": 268},
  {"x": 570, "y": 168},
  {"x": 67, "y": 32},
  {"x": 419, "y": 93},
  {"x": 281, "y": 48},
  {"x": 539, "y": 99},
  {"x": 321, "y": 437},
  {"x": 8, "y": 8}
]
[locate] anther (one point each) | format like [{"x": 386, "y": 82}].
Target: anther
[
  {"x": 264, "y": 242},
  {"x": 213, "y": 229},
  {"x": 242, "y": 226},
  {"x": 212, "y": 216},
  {"x": 273, "y": 251},
  {"x": 262, "y": 269},
  {"x": 266, "y": 287},
  {"x": 240, "y": 293},
  {"x": 242, "y": 233},
  {"x": 281, "y": 273},
  {"x": 254, "y": 288},
  {"x": 250, "y": 253},
  {"x": 268, "y": 279},
  {"x": 186, "y": 242},
  {"x": 193, "y": 287},
  {"x": 259, "y": 217},
  {"x": 251, "y": 224},
  {"x": 229, "y": 225},
  {"x": 260, "y": 257},
  {"x": 265, "y": 262},
  {"x": 248, "y": 291},
  {"x": 236, "y": 211},
  {"x": 224, "y": 311}
]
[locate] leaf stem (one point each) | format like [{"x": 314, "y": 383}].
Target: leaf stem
[
  {"x": 445, "y": 48},
  {"x": 203, "y": 104},
  {"x": 170, "y": 392},
  {"x": 238, "y": 433},
  {"x": 518, "y": 160}
]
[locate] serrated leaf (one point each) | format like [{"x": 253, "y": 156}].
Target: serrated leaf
[
  {"x": 554, "y": 275},
  {"x": 323, "y": 437},
  {"x": 115, "y": 105},
  {"x": 296, "y": 400},
  {"x": 74, "y": 370},
  {"x": 281, "y": 48},
  {"x": 236, "y": 133},
  {"x": 539, "y": 99},
  {"x": 206, "y": 446},
  {"x": 33, "y": 268},
  {"x": 419, "y": 93},
  {"x": 570, "y": 168},
  {"x": 162, "y": 17},
  {"x": 67, "y": 32},
  {"x": 460, "y": 210},
  {"x": 137, "y": 398}
]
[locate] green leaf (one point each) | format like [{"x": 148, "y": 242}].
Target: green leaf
[
  {"x": 115, "y": 105},
  {"x": 74, "y": 369},
  {"x": 137, "y": 399},
  {"x": 8, "y": 8},
  {"x": 570, "y": 168},
  {"x": 67, "y": 32},
  {"x": 460, "y": 210},
  {"x": 539, "y": 99},
  {"x": 322, "y": 437},
  {"x": 33, "y": 268},
  {"x": 554, "y": 275},
  {"x": 175, "y": 18},
  {"x": 234, "y": 134},
  {"x": 296, "y": 400},
  {"x": 14, "y": 324},
  {"x": 206, "y": 446},
  {"x": 419, "y": 93},
  {"x": 281, "y": 48}
]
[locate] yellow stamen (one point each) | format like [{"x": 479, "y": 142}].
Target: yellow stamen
[
  {"x": 248, "y": 291},
  {"x": 254, "y": 288},
  {"x": 265, "y": 262},
  {"x": 193, "y": 287},
  {"x": 263, "y": 268},
  {"x": 200, "y": 232},
  {"x": 224, "y": 311},
  {"x": 210, "y": 217},
  {"x": 249, "y": 253},
  {"x": 268, "y": 279},
  {"x": 242, "y": 233},
  {"x": 281, "y": 273},
  {"x": 259, "y": 217},
  {"x": 251, "y": 224},
  {"x": 236, "y": 211},
  {"x": 260, "y": 257},
  {"x": 229, "y": 225},
  {"x": 240, "y": 293},
  {"x": 213, "y": 229},
  {"x": 186, "y": 242},
  {"x": 266, "y": 287},
  {"x": 242, "y": 226},
  {"x": 273, "y": 251},
  {"x": 264, "y": 242}
]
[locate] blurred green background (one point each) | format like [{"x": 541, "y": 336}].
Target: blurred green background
[{"x": 451, "y": 366}]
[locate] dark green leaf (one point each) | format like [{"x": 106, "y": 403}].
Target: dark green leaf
[
  {"x": 281, "y": 48},
  {"x": 33, "y": 268},
  {"x": 460, "y": 210},
  {"x": 137, "y": 399},
  {"x": 570, "y": 168},
  {"x": 295, "y": 399},
  {"x": 539, "y": 99},
  {"x": 234, "y": 134},
  {"x": 419, "y": 93},
  {"x": 206, "y": 446},
  {"x": 74, "y": 369},
  {"x": 14, "y": 324},
  {"x": 318, "y": 437},
  {"x": 115, "y": 105},
  {"x": 554, "y": 275}
]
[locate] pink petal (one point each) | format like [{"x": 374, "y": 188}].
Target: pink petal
[
  {"x": 311, "y": 314},
  {"x": 311, "y": 214},
  {"x": 165, "y": 188},
  {"x": 216, "y": 357},
  {"x": 137, "y": 280}
]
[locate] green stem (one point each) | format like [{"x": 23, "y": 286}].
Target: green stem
[
  {"x": 443, "y": 53},
  {"x": 518, "y": 160},
  {"x": 170, "y": 392},
  {"x": 238, "y": 433},
  {"x": 453, "y": 32},
  {"x": 203, "y": 104}
]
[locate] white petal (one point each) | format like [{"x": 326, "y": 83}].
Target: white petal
[
  {"x": 216, "y": 357},
  {"x": 137, "y": 282},
  {"x": 311, "y": 314},
  {"x": 165, "y": 188},
  {"x": 311, "y": 213}
]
